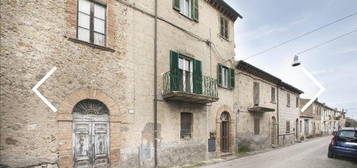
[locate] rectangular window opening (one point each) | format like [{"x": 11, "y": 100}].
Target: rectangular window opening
[
  {"x": 224, "y": 28},
  {"x": 256, "y": 126},
  {"x": 287, "y": 126},
  {"x": 91, "y": 24},
  {"x": 288, "y": 100},
  {"x": 256, "y": 94},
  {"x": 272, "y": 95},
  {"x": 186, "y": 125}
]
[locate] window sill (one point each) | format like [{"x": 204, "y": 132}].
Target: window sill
[
  {"x": 226, "y": 88},
  {"x": 224, "y": 38},
  {"x": 91, "y": 45}
]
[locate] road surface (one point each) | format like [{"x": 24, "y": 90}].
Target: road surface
[{"x": 310, "y": 154}]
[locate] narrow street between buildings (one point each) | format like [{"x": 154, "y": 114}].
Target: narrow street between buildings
[{"x": 311, "y": 154}]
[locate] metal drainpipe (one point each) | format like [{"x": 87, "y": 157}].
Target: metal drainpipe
[
  {"x": 155, "y": 87},
  {"x": 277, "y": 114}
]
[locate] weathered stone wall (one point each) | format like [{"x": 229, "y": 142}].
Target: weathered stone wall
[
  {"x": 32, "y": 42},
  {"x": 171, "y": 38},
  {"x": 288, "y": 113},
  {"x": 244, "y": 94},
  {"x": 38, "y": 35}
]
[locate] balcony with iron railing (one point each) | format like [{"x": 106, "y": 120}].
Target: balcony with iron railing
[{"x": 186, "y": 87}]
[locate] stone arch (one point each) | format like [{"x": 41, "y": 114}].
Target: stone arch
[
  {"x": 66, "y": 107},
  {"x": 65, "y": 124},
  {"x": 90, "y": 107}
]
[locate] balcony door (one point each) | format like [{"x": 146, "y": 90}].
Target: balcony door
[
  {"x": 185, "y": 67},
  {"x": 185, "y": 73}
]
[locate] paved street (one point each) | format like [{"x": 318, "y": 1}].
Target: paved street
[{"x": 311, "y": 154}]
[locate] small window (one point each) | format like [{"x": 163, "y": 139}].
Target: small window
[
  {"x": 188, "y": 8},
  {"x": 272, "y": 95},
  {"x": 288, "y": 100},
  {"x": 226, "y": 78},
  {"x": 256, "y": 126},
  {"x": 297, "y": 101},
  {"x": 256, "y": 93},
  {"x": 224, "y": 28},
  {"x": 91, "y": 22},
  {"x": 287, "y": 126},
  {"x": 186, "y": 125}
]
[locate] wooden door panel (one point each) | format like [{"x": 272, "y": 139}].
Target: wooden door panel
[
  {"x": 100, "y": 137},
  {"x": 82, "y": 152},
  {"x": 225, "y": 136}
]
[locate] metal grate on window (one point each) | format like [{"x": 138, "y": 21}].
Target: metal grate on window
[{"x": 186, "y": 125}]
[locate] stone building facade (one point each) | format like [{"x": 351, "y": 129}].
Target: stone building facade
[
  {"x": 307, "y": 118},
  {"x": 104, "y": 84},
  {"x": 341, "y": 119},
  {"x": 320, "y": 119},
  {"x": 256, "y": 94},
  {"x": 289, "y": 111},
  {"x": 267, "y": 117}
]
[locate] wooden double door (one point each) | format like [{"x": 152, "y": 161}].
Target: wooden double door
[{"x": 90, "y": 144}]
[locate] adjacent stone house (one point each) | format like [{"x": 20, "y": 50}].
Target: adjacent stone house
[
  {"x": 288, "y": 113},
  {"x": 268, "y": 108},
  {"x": 132, "y": 88},
  {"x": 320, "y": 119},
  {"x": 307, "y": 118},
  {"x": 341, "y": 119}
]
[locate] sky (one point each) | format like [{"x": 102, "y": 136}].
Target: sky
[{"x": 266, "y": 23}]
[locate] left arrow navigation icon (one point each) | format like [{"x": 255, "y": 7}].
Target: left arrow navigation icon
[{"x": 34, "y": 89}]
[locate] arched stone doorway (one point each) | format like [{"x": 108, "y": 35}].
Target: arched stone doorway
[
  {"x": 273, "y": 131},
  {"x": 225, "y": 131},
  {"x": 90, "y": 134}
]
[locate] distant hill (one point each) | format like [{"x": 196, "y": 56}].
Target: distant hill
[{"x": 350, "y": 122}]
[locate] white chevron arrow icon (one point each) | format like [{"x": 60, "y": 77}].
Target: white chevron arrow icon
[
  {"x": 322, "y": 89},
  {"x": 34, "y": 89}
]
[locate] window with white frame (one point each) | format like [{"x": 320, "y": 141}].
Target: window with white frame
[
  {"x": 188, "y": 8},
  {"x": 91, "y": 25},
  {"x": 225, "y": 76},
  {"x": 185, "y": 66}
]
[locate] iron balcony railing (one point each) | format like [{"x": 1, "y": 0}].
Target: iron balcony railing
[{"x": 188, "y": 83}]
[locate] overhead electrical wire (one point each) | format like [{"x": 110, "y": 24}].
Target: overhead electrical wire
[
  {"x": 300, "y": 36},
  {"x": 326, "y": 42}
]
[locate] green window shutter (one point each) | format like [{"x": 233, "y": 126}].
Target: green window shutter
[
  {"x": 219, "y": 74},
  {"x": 232, "y": 78},
  {"x": 176, "y": 4},
  {"x": 174, "y": 72},
  {"x": 197, "y": 77},
  {"x": 195, "y": 13}
]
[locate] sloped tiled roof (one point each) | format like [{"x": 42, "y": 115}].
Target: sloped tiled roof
[{"x": 225, "y": 9}]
